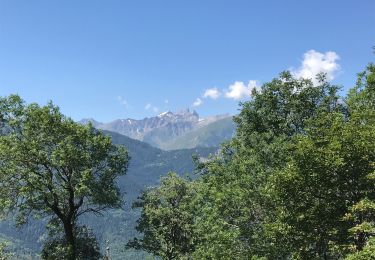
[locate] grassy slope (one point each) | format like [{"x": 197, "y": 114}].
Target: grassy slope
[{"x": 211, "y": 135}]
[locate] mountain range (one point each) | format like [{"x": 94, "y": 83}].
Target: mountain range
[{"x": 170, "y": 131}]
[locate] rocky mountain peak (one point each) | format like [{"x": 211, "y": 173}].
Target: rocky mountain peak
[
  {"x": 159, "y": 129},
  {"x": 166, "y": 113}
]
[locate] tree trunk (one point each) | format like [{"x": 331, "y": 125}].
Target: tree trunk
[
  {"x": 70, "y": 239},
  {"x": 361, "y": 241}
]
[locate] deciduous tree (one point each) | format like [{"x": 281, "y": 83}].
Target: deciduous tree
[
  {"x": 166, "y": 220},
  {"x": 52, "y": 166}
]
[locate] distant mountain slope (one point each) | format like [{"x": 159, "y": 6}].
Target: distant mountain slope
[
  {"x": 168, "y": 123},
  {"x": 211, "y": 135},
  {"x": 146, "y": 166},
  {"x": 170, "y": 131},
  {"x": 148, "y": 163}
]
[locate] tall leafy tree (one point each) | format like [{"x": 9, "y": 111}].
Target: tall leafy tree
[
  {"x": 237, "y": 212},
  {"x": 361, "y": 215},
  {"x": 166, "y": 219},
  {"x": 52, "y": 166},
  {"x": 326, "y": 190}
]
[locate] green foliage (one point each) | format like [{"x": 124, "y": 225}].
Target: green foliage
[
  {"x": 297, "y": 180},
  {"x": 283, "y": 106},
  {"x": 118, "y": 225},
  {"x": 166, "y": 221},
  {"x": 326, "y": 174},
  {"x": 4, "y": 255},
  {"x": 367, "y": 253},
  {"x": 237, "y": 209},
  {"x": 52, "y": 166},
  {"x": 87, "y": 246},
  {"x": 324, "y": 178}
]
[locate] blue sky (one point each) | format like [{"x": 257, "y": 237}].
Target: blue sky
[{"x": 119, "y": 59}]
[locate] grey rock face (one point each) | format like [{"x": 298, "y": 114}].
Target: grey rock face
[
  {"x": 158, "y": 130},
  {"x": 171, "y": 124}
]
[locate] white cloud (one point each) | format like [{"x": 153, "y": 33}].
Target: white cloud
[
  {"x": 148, "y": 106},
  {"x": 123, "y": 101},
  {"x": 315, "y": 62},
  {"x": 213, "y": 93},
  {"x": 197, "y": 102},
  {"x": 166, "y": 101},
  {"x": 238, "y": 90}
]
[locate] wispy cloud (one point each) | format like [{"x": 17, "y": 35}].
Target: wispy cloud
[
  {"x": 315, "y": 62},
  {"x": 213, "y": 93},
  {"x": 197, "y": 102},
  {"x": 123, "y": 101},
  {"x": 149, "y": 106}
]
